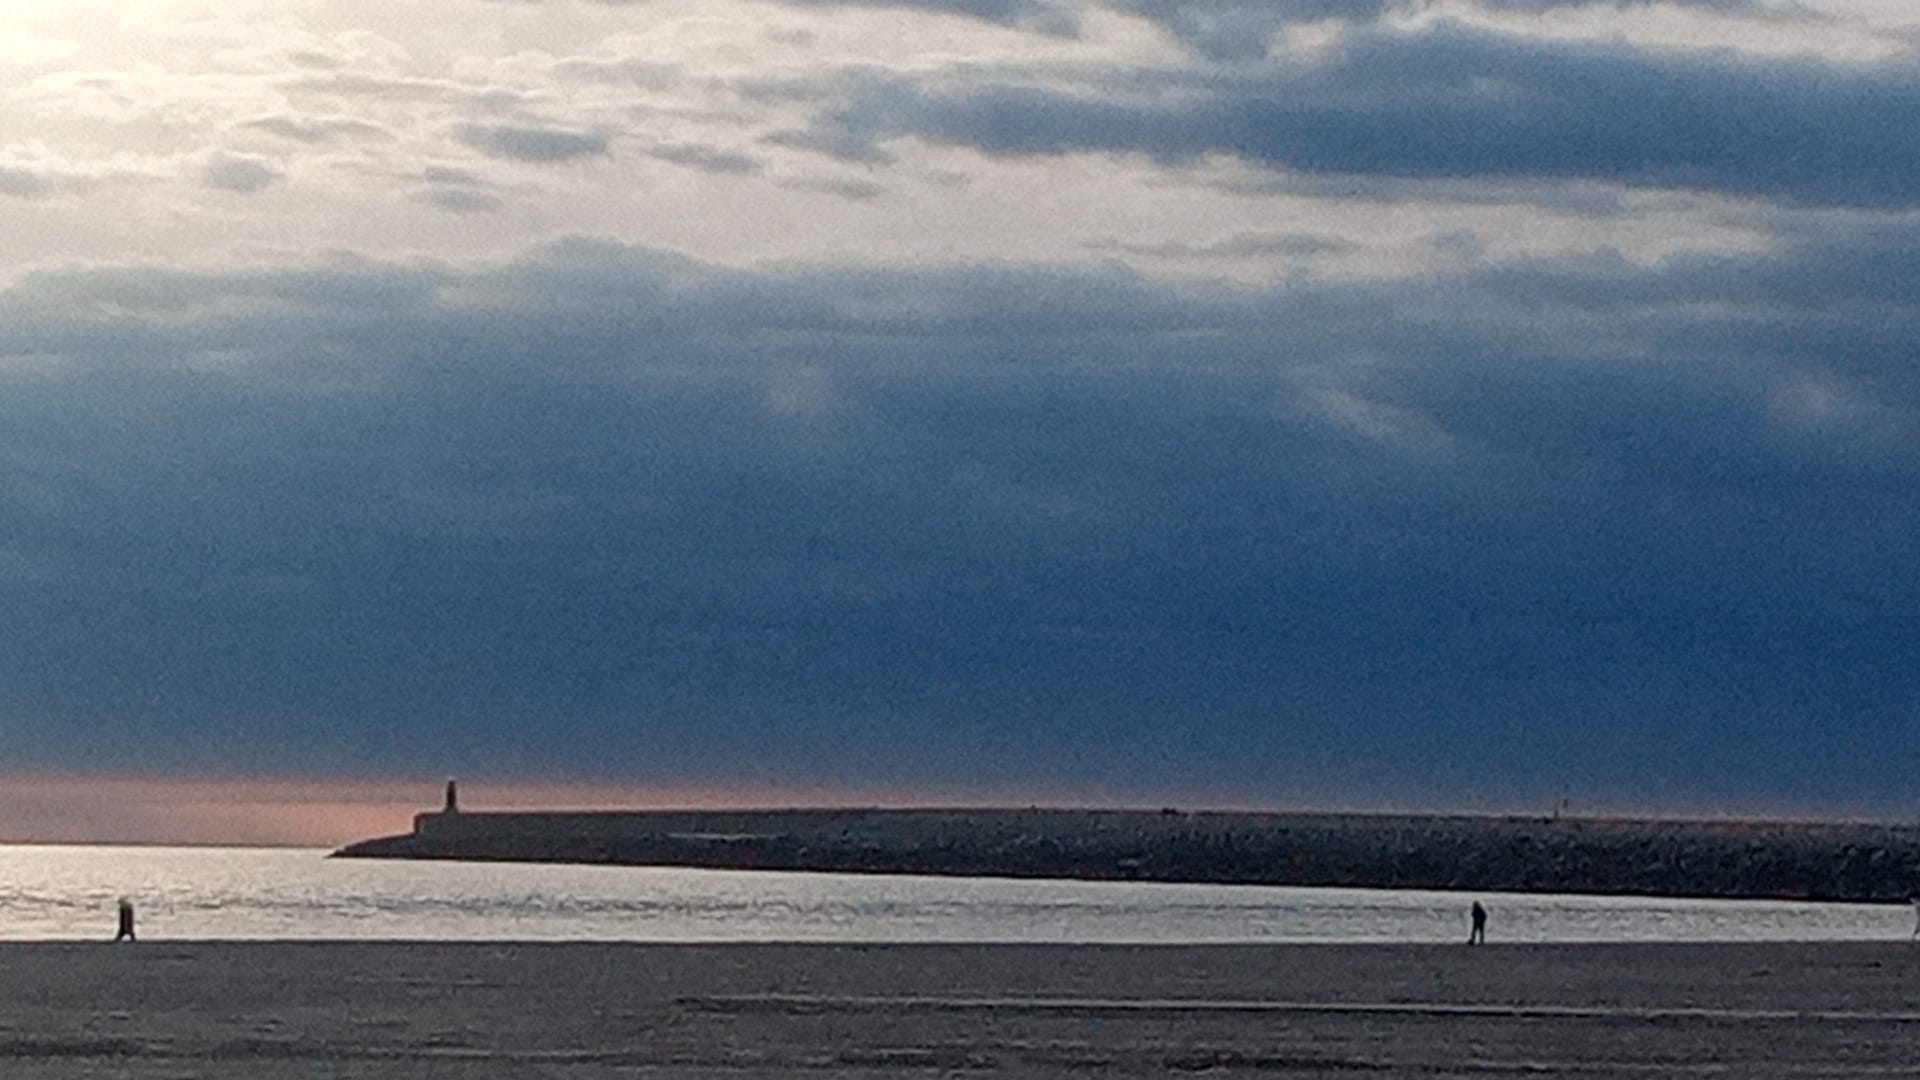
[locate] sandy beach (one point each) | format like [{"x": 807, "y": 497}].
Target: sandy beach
[{"x": 178, "y": 1010}]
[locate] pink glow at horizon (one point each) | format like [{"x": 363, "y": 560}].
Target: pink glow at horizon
[
  {"x": 56, "y": 809},
  {"x": 327, "y": 813}
]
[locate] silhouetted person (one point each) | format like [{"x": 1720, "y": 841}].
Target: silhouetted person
[
  {"x": 1914, "y": 899},
  {"x": 1478, "y": 935},
  {"x": 126, "y": 921}
]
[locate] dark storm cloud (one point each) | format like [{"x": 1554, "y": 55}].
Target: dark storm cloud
[
  {"x": 1244, "y": 30},
  {"x": 1452, "y": 104},
  {"x": 1639, "y": 533},
  {"x": 1224, "y": 29},
  {"x": 532, "y": 144},
  {"x": 1240, "y": 30}
]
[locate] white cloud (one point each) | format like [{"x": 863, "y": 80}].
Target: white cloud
[
  {"x": 317, "y": 129},
  {"x": 237, "y": 173},
  {"x": 1392, "y": 425},
  {"x": 528, "y": 143},
  {"x": 1826, "y": 410},
  {"x": 27, "y": 51},
  {"x": 357, "y": 100},
  {"x": 461, "y": 200}
]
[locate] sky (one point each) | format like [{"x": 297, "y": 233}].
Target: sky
[{"x": 1368, "y": 404}]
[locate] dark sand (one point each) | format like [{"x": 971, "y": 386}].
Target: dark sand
[{"x": 265, "y": 1011}]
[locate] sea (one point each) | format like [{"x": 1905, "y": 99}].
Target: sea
[{"x": 69, "y": 893}]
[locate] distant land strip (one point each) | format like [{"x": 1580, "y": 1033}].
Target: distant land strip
[{"x": 1725, "y": 859}]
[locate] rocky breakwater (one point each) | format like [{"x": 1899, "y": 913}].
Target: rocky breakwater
[{"x": 1853, "y": 862}]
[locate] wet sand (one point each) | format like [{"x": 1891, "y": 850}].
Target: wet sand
[{"x": 231, "y": 1010}]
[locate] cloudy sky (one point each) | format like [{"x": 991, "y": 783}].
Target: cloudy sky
[{"x": 1436, "y": 404}]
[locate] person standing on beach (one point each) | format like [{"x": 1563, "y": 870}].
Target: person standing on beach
[
  {"x": 126, "y": 921},
  {"x": 1478, "y": 935}
]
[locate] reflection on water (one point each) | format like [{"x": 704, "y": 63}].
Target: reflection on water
[{"x": 233, "y": 893}]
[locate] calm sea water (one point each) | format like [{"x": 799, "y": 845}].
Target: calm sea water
[{"x": 68, "y": 893}]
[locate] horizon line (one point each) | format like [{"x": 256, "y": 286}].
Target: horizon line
[{"x": 65, "y": 807}]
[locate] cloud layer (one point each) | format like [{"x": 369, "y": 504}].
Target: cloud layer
[
  {"x": 1449, "y": 104},
  {"x": 1575, "y": 523},
  {"x": 1361, "y": 402}
]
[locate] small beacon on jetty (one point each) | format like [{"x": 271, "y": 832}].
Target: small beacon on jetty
[{"x": 453, "y": 799}]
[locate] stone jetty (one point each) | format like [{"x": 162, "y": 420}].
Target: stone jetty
[{"x": 1768, "y": 859}]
